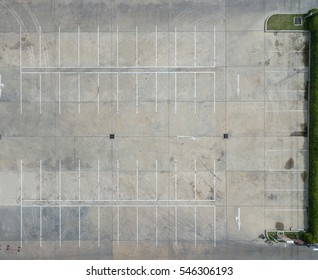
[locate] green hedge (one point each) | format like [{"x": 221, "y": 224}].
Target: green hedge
[{"x": 312, "y": 235}]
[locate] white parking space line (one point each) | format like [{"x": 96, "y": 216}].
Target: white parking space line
[
  {"x": 98, "y": 93},
  {"x": 176, "y": 225},
  {"x": 214, "y": 47},
  {"x": 79, "y": 179},
  {"x": 117, "y": 46},
  {"x": 137, "y": 225},
  {"x": 60, "y": 227},
  {"x": 40, "y": 46},
  {"x": 117, "y": 179},
  {"x": 136, "y": 46},
  {"x": 238, "y": 218},
  {"x": 195, "y": 179},
  {"x": 117, "y": 93},
  {"x": 40, "y": 89},
  {"x": 59, "y": 93},
  {"x": 40, "y": 226},
  {"x": 137, "y": 180},
  {"x": 40, "y": 179},
  {"x": 59, "y": 46},
  {"x": 117, "y": 225},
  {"x": 195, "y": 226},
  {"x": 175, "y": 93},
  {"x": 176, "y": 179},
  {"x": 195, "y": 46},
  {"x": 79, "y": 226},
  {"x": 156, "y": 179},
  {"x": 175, "y": 46},
  {"x": 156, "y": 46},
  {"x": 156, "y": 225},
  {"x": 136, "y": 89},
  {"x": 195, "y": 92},
  {"x": 78, "y": 47},
  {"x": 21, "y": 101},
  {"x": 238, "y": 85},
  {"x": 97, "y": 45},
  {"x": 60, "y": 180},
  {"x": 79, "y": 93},
  {"x": 156, "y": 97},
  {"x": 21, "y": 201},
  {"x": 214, "y": 226},
  {"x": 98, "y": 226},
  {"x": 98, "y": 185},
  {"x": 214, "y": 92}
]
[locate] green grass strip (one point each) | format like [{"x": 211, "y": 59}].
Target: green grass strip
[{"x": 280, "y": 22}]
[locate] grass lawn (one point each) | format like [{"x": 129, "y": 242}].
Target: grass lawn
[{"x": 286, "y": 22}]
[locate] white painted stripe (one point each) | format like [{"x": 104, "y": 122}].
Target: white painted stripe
[
  {"x": 176, "y": 225},
  {"x": 40, "y": 179},
  {"x": 175, "y": 46},
  {"x": 40, "y": 89},
  {"x": 156, "y": 45},
  {"x": 59, "y": 50},
  {"x": 60, "y": 180},
  {"x": 137, "y": 105},
  {"x": 79, "y": 93},
  {"x": 214, "y": 46},
  {"x": 195, "y": 179},
  {"x": 59, "y": 93},
  {"x": 79, "y": 179},
  {"x": 60, "y": 228},
  {"x": 156, "y": 78},
  {"x": 195, "y": 92},
  {"x": 103, "y": 71},
  {"x": 156, "y": 179},
  {"x": 117, "y": 93},
  {"x": 137, "y": 180},
  {"x": 214, "y": 92},
  {"x": 214, "y": 226},
  {"x": 137, "y": 224},
  {"x": 176, "y": 179},
  {"x": 98, "y": 179},
  {"x": 97, "y": 45},
  {"x": 195, "y": 226},
  {"x": 98, "y": 226},
  {"x": 175, "y": 93},
  {"x": 79, "y": 226},
  {"x": 78, "y": 47},
  {"x": 117, "y": 225},
  {"x": 117, "y": 179},
  {"x": 195, "y": 46},
  {"x": 40, "y": 226},
  {"x": 21, "y": 86},
  {"x": 117, "y": 47},
  {"x": 238, "y": 85},
  {"x": 40, "y": 46},
  {"x": 137, "y": 46},
  {"x": 21, "y": 202},
  {"x": 98, "y": 93},
  {"x": 156, "y": 225}
]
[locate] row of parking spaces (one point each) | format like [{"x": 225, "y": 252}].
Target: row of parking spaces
[
  {"x": 195, "y": 224},
  {"x": 141, "y": 182},
  {"x": 105, "y": 49},
  {"x": 135, "y": 88}
]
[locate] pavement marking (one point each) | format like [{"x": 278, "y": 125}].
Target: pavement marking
[
  {"x": 156, "y": 45},
  {"x": 117, "y": 179},
  {"x": 98, "y": 186},
  {"x": 214, "y": 226},
  {"x": 175, "y": 46},
  {"x": 117, "y": 48},
  {"x": 156, "y": 225},
  {"x": 79, "y": 226},
  {"x": 195, "y": 226},
  {"x": 59, "y": 93},
  {"x": 79, "y": 179},
  {"x": 156, "y": 78},
  {"x": 78, "y": 93},
  {"x": 60, "y": 228},
  {"x": 156, "y": 179},
  {"x": 195, "y": 179},
  {"x": 195, "y": 92},
  {"x": 59, "y": 50},
  {"x": 98, "y": 226},
  {"x": 60, "y": 180},
  {"x": 117, "y": 69},
  {"x": 40, "y": 179},
  {"x": 214, "y": 47},
  {"x": 97, "y": 45},
  {"x": 137, "y": 46},
  {"x": 78, "y": 47},
  {"x": 176, "y": 179},
  {"x": 176, "y": 225},
  {"x": 117, "y": 225},
  {"x": 214, "y": 177},
  {"x": 238, "y": 85},
  {"x": 137, "y": 179},
  {"x": 214, "y": 92},
  {"x": 21, "y": 94},
  {"x": 175, "y": 93},
  {"x": 40, "y": 226},
  {"x": 137, "y": 224},
  {"x": 21, "y": 201},
  {"x": 40, "y": 89},
  {"x": 238, "y": 218},
  {"x": 98, "y": 93},
  {"x": 117, "y": 93},
  {"x": 40, "y": 46},
  {"x": 136, "y": 89},
  {"x": 195, "y": 46}
]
